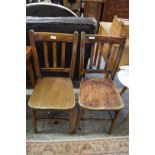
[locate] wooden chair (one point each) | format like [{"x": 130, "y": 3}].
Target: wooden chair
[
  {"x": 100, "y": 93},
  {"x": 54, "y": 93}
]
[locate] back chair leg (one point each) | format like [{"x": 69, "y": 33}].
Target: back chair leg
[
  {"x": 71, "y": 121},
  {"x": 126, "y": 118},
  {"x": 34, "y": 123},
  {"x": 123, "y": 90},
  {"x": 79, "y": 116},
  {"x": 116, "y": 116}
]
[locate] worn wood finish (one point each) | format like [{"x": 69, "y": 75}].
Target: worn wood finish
[
  {"x": 100, "y": 93},
  {"x": 53, "y": 92}
]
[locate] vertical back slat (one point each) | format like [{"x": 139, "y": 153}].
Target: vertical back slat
[
  {"x": 111, "y": 58},
  {"x": 108, "y": 55},
  {"x": 82, "y": 52},
  {"x": 95, "y": 54},
  {"x": 54, "y": 54},
  {"x": 99, "y": 55},
  {"x": 46, "y": 54},
  {"x": 92, "y": 55},
  {"x": 63, "y": 55},
  {"x": 118, "y": 58}
]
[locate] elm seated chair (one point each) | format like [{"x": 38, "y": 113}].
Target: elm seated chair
[
  {"x": 53, "y": 93},
  {"x": 100, "y": 93}
]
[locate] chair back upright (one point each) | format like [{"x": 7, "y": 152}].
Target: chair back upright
[
  {"x": 49, "y": 43},
  {"x": 110, "y": 62}
]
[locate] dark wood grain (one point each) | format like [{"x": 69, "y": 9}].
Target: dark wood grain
[{"x": 115, "y": 7}]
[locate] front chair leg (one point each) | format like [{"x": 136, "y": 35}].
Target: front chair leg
[
  {"x": 78, "y": 118},
  {"x": 116, "y": 116},
  {"x": 71, "y": 121},
  {"x": 34, "y": 123}
]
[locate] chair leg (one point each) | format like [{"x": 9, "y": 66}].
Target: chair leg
[
  {"x": 114, "y": 121},
  {"x": 126, "y": 118},
  {"x": 30, "y": 70},
  {"x": 34, "y": 123},
  {"x": 123, "y": 90},
  {"x": 71, "y": 121},
  {"x": 78, "y": 118}
]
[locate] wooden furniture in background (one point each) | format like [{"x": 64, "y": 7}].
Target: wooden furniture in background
[
  {"x": 55, "y": 93},
  {"x": 118, "y": 27},
  {"x": 93, "y": 8},
  {"x": 100, "y": 93},
  {"x": 115, "y": 7},
  {"x": 29, "y": 65},
  {"x": 75, "y": 7}
]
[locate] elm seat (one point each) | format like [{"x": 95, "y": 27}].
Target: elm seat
[
  {"x": 99, "y": 94},
  {"x": 52, "y": 93}
]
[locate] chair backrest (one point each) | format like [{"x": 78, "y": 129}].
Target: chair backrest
[
  {"x": 49, "y": 42},
  {"x": 62, "y": 25},
  {"x": 98, "y": 43}
]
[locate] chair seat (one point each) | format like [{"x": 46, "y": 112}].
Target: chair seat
[
  {"x": 99, "y": 94},
  {"x": 52, "y": 93}
]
